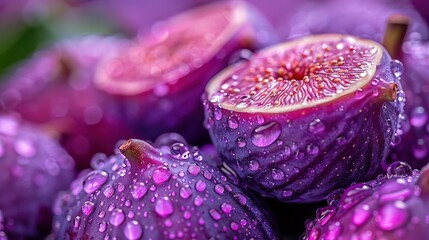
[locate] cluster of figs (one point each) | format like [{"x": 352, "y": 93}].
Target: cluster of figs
[{"x": 221, "y": 118}]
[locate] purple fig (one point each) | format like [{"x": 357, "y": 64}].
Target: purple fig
[
  {"x": 423, "y": 7},
  {"x": 303, "y": 118},
  {"x": 2, "y": 233},
  {"x": 55, "y": 89},
  {"x": 363, "y": 18},
  {"x": 159, "y": 80},
  {"x": 395, "y": 206},
  {"x": 412, "y": 144},
  {"x": 157, "y": 192},
  {"x": 34, "y": 169}
]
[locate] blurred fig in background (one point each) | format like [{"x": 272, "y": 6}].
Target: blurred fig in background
[
  {"x": 34, "y": 169},
  {"x": 395, "y": 206},
  {"x": 158, "y": 81},
  {"x": 55, "y": 90}
]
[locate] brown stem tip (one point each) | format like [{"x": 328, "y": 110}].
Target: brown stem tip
[
  {"x": 394, "y": 35},
  {"x": 140, "y": 153}
]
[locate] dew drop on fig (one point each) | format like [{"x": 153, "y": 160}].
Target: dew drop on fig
[
  {"x": 133, "y": 230},
  {"x": 253, "y": 165},
  {"x": 392, "y": 216},
  {"x": 215, "y": 214},
  {"x": 102, "y": 227},
  {"x": 226, "y": 208},
  {"x": 397, "y": 68},
  {"x": 277, "y": 174},
  {"x": 117, "y": 217},
  {"x": 200, "y": 186},
  {"x": 161, "y": 175},
  {"x": 266, "y": 135},
  {"x": 361, "y": 215},
  {"x": 185, "y": 192},
  {"x": 418, "y": 117},
  {"x": 25, "y": 147},
  {"x": 240, "y": 55},
  {"x": 399, "y": 169},
  {"x": 316, "y": 126},
  {"x": 241, "y": 142},
  {"x": 219, "y": 189},
  {"x": 87, "y": 208},
  {"x": 108, "y": 191},
  {"x": 164, "y": 207},
  {"x": 139, "y": 190},
  {"x": 194, "y": 169},
  {"x": 287, "y": 193},
  {"x": 94, "y": 181},
  {"x": 233, "y": 122}
]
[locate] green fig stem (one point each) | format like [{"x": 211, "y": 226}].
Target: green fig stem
[
  {"x": 394, "y": 35},
  {"x": 140, "y": 154},
  {"x": 389, "y": 91}
]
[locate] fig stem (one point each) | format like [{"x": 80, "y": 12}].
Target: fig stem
[
  {"x": 140, "y": 153},
  {"x": 389, "y": 91},
  {"x": 394, "y": 35}
]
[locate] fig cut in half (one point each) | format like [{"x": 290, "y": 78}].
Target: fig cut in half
[
  {"x": 164, "y": 73},
  {"x": 303, "y": 118}
]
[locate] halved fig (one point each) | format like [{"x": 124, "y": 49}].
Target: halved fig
[
  {"x": 159, "y": 79},
  {"x": 55, "y": 89},
  {"x": 303, "y": 118}
]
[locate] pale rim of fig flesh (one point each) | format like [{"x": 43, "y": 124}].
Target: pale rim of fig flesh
[
  {"x": 174, "y": 49},
  {"x": 317, "y": 80}
]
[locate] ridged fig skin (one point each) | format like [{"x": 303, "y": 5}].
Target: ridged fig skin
[
  {"x": 363, "y": 18},
  {"x": 55, "y": 90},
  {"x": 310, "y": 151},
  {"x": 171, "y": 103},
  {"x": 158, "y": 192},
  {"x": 394, "y": 206},
  {"x": 412, "y": 144},
  {"x": 34, "y": 169}
]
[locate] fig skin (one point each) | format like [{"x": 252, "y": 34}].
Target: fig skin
[
  {"x": 411, "y": 144},
  {"x": 171, "y": 102},
  {"x": 34, "y": 169},
  {"x": 55, "y": 90},
  {"x": 394, "y": 206},
  {"x": 160, "y": 191},
  {"x": 308, "y": 152}
]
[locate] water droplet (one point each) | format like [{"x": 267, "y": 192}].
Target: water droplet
[
  {"x": 94, "y": 180},
  {"x": 399, "y": 169},
  {"x": 180, "y": 150},
  {"x": 200, "y": 186},
  {"x": 102, "y": 227},
  {"x": 253, "y": 165},
  {"x": 87, "y": 208},
  {"x": 161, "y": 174},
  {"x": 240, "y": 55},
  {"x": 215, "y": 214},
  {"x": 397, "y": 68},
  {"x": 234, "y": 226},
  {"x": 420, "y": 149},
  {"x": 312, "y": 149},
  {"x": 233, "y": 122},
  {"x": 133, "y": 230},
  {"x": 139, "y": 190},
  {"x": 121, "y": 187},
  {"x": 361, "y": 214},
  {"x": 392, "y": 216},
  {"x": 418, "y": 117},
  {"x": 241, "y": 142},
  {"x": 194, "y": 169},
  {"x": 164, "y": 207},
  {"x": 266, "y": 135},
  {"x": 287, "y": 193},
  {"x": 198, "y": 201},
  {"x": 226, "y": 208},
  {"x": 217, "y": 113},
  {"x": 108, "y": 191},
  {"x": 240, "y": 198},
  {"x": 334, "y": 231},
  {"x": 277, "y": 174},
  {"x": 76, "y": 222},
  {"x": 185, "y": 192},
  {"x": 117, "y": 217},
  {"x": 316, "y": 126}
]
